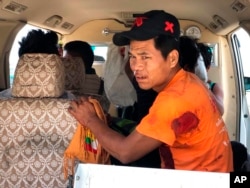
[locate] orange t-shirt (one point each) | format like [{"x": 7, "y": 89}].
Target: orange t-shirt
[{"x": 185, "y": 118}]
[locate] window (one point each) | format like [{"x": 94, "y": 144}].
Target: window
[
  {"x": 100, "y": 53},
  {"x": 244, "y": 46},
  {"x": 241, "y": 45}
]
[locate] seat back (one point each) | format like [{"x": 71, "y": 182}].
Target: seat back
[
  {"x": 82, "y": 84},
  {"x": 74, "y": 73},
  {"x": 34, "y": 134},
  {"x": 35, "y": 126},
  {"x": 77, "y": 81},
  {"x": 39, "y": 75}
]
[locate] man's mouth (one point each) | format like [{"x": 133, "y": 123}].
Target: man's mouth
[{"x": 140, "y": 78}]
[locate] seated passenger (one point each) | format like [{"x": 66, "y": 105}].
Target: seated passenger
[
  {"x": 193, "y": 59},
  {"x": 189, "y": 53},
  {"x": 213, "y": 86},
  {"x": 93, "y": 83},
  {"x": 182, "y": 122},
  {"x": 38, "y": 41}
]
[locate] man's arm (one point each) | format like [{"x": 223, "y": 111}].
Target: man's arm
[{"x": 125, "y": 149}]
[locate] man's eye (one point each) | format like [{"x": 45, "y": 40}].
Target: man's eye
[
  {"x": 131, "y": 56},
  {"x": 145, "y": 57}
]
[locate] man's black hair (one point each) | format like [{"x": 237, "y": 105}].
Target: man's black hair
[
  {"x": 206, "y": 53},
  {"x": 38, "y": 41},
  {"x": 189, "y": 53},
  {"x": 166, "y": 44}
]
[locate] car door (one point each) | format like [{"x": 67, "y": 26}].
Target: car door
[{"x": 240, "y": 41}]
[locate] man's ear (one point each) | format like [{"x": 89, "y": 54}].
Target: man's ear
[{"x": 173, "y": 58}]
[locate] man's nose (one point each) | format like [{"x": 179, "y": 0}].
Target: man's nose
[{"x": 136, "y": 65}]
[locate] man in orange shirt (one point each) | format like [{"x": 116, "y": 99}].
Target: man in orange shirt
[{"x": 183, "y": 122}]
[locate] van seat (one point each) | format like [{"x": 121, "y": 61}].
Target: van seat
[
  {"x": 33, "y": 137},
  {"x": 74, "y": 73},
  {"x": 35, "y": 126},
  {"x": 39, "y": 75}
]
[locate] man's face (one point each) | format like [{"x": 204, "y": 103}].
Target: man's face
[{"x": 151, "y": 70}]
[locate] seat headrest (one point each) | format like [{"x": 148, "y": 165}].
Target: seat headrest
[
  {"x": 74, "y": 73},
  {"x": 39, "y": 75}
]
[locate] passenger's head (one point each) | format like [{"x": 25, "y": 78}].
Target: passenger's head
[
  {"x": 80, "y": 49},
  {"x": 206, "y": 53},
  {"x": 189, "y": 53},
  {"x": 38, "y": 41},
  {"x": 154, "y": 46}
]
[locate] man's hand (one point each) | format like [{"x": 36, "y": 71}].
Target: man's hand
[{"x": 83, "y": 111}]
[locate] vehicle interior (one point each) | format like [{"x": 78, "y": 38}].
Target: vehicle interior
[{"x": 35, "y": 127}]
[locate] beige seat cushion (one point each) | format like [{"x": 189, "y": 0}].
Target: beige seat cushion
[
  {"x": 39, "y": 75},
  {"x": 91, "y": 84},
  {"x": 34, "y": 133},
  {"x": 74, "y": 73}
]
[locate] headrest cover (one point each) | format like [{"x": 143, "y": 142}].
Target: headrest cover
[
  {"x": 74, "y": 73},
  {"x": 39, "y": 75}
]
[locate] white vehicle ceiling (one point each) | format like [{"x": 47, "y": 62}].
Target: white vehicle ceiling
[{"x": 220, "y": 16}]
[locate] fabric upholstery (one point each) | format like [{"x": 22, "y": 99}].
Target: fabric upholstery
[
  {"x": 74, "y": 73},
  {"x": 34, "y": 134},
  {"x": 92, "y": 84},
  {"x": 77, "y": 80},
  {"x": 39, "y": 75},
  {"x": 82, "y": 84},
  {"x": 35, "y": 125}
]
